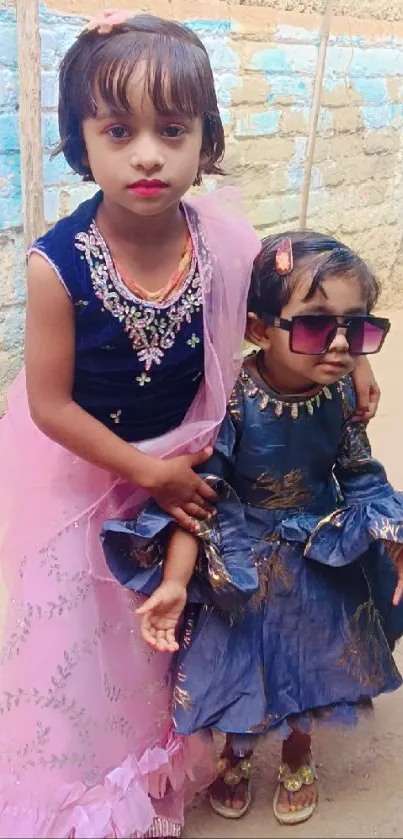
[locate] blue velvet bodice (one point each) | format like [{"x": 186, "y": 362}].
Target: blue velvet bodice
[{"x": 138, "y": 365}]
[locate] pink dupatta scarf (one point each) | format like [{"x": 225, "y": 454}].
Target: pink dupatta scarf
[{"x": 86, "y": 743}]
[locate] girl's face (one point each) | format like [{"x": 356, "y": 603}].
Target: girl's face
[
  {"x": 143, "y": 161},
  {"x": 290, "y": 372}
]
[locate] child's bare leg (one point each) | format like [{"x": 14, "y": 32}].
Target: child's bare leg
[
  {"x": 231, "y": 788},
  {"x": 296, "y": 752}
]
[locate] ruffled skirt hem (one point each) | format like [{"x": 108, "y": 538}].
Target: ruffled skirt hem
[
  {"x": 125, "y": 804},
  {"x": 343, "y": 715}
]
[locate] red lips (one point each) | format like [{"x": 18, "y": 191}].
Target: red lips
[{"x": 147, "y": 187}]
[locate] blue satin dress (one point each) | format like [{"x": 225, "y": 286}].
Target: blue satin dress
[{"x": 289, "y": 616}]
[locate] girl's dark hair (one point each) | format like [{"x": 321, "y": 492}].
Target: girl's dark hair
[
  {"x": 269, "y": 291},
  {"x": 178, "y": 79}
]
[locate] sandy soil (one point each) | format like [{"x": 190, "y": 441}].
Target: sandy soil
[{"x": 361, "y": 777}]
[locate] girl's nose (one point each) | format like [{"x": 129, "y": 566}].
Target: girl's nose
[
  {"x": 339, "y": 343},
  {"x": 146, "y": 155}
]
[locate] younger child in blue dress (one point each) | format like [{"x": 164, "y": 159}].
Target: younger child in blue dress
[{"x": 292, "y": 591}]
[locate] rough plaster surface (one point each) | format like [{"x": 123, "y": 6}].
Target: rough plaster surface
[
  {"x": 264, "y": 60},
  {"x": 376, "y": 9}
]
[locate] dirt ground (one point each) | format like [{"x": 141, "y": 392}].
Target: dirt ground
[{"x": 360, "y": 771}]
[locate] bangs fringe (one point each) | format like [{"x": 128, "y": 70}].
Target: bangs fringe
[{"x": 173, "y": 78}]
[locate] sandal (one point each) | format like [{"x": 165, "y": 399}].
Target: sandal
[
  {"x": 232, "y": 776},
  {"x": 293, "y": 782}
]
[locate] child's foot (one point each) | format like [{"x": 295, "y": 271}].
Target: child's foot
[
  {"x": 230, "y": 793},
  {"x": 297, "y": 792}
]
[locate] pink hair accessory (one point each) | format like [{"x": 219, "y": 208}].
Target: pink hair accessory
[
  {"x": 284, "y": 260},
  {"x": 106, "y": 20}
]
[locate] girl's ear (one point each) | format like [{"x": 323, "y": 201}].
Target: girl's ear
[
  {"x": 85, "y": 161},
  {"x": 256, "y": 332},
  {"x": 203, "y": 160},
  {"x": 202, "y": 163}
]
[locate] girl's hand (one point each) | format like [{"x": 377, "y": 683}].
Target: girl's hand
[
  {"x": 397, "y": 555},
  {"x": 160, "y": 615},
  {"x": 179, "y": 491},
  {"x": 367, "y": 391}
]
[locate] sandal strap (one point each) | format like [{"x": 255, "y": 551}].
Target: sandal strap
[
  {"x": 233, "y": 775},
  {"x": 294, "y": 781}
]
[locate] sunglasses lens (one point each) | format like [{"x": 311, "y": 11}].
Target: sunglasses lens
[
  {"x": 310, "y": 334},
  {"x": 364, "y": 336}
]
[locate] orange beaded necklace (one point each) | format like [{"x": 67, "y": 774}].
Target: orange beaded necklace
[{"x": 173, "y": 283}]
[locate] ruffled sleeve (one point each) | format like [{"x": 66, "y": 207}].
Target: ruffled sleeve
[
  {"x": 371, "y": 510},
  {"x": 225, "y": 573}
]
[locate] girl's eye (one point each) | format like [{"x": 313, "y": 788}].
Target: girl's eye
[
  {"x": 174, "y": 131},
  {"x": 118, "y": 132}
]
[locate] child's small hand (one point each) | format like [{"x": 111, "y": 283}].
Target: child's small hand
[
  {"x": 397, "y": 556},
  {"x": 160, "y": 615}
]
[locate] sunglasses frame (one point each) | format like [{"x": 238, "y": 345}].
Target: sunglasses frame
[{"x": 340, "y": 322}]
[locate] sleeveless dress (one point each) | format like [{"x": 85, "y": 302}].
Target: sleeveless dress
[
  {"x": 289, "y": 617},
  {"x": 86, "y": 741}
]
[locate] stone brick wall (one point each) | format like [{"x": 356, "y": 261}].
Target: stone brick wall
[
  {"x": 264, "y": 59},
  {"x": 368, "y": 9}
]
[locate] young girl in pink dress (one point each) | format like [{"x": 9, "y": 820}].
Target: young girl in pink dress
[{"x": 135, "y": 317}]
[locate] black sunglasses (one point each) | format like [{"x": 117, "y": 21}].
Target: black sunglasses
[{"x": 313, "y": 334}]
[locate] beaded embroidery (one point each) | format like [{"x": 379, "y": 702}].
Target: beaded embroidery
[
  {"x": 280, "y": 405},
  {"x": 152, "y": 329}
]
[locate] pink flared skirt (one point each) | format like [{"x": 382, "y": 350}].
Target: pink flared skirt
[{"x": 86, "y": 741}]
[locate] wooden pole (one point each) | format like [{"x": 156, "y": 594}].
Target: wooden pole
[
  {"x": 29, "y": 66},
  {"x": 316, "y": 102}
]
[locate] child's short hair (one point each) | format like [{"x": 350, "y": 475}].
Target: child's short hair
[
  {"x": 323, "y": 255},
  {"x": 178, "y": 77}
]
